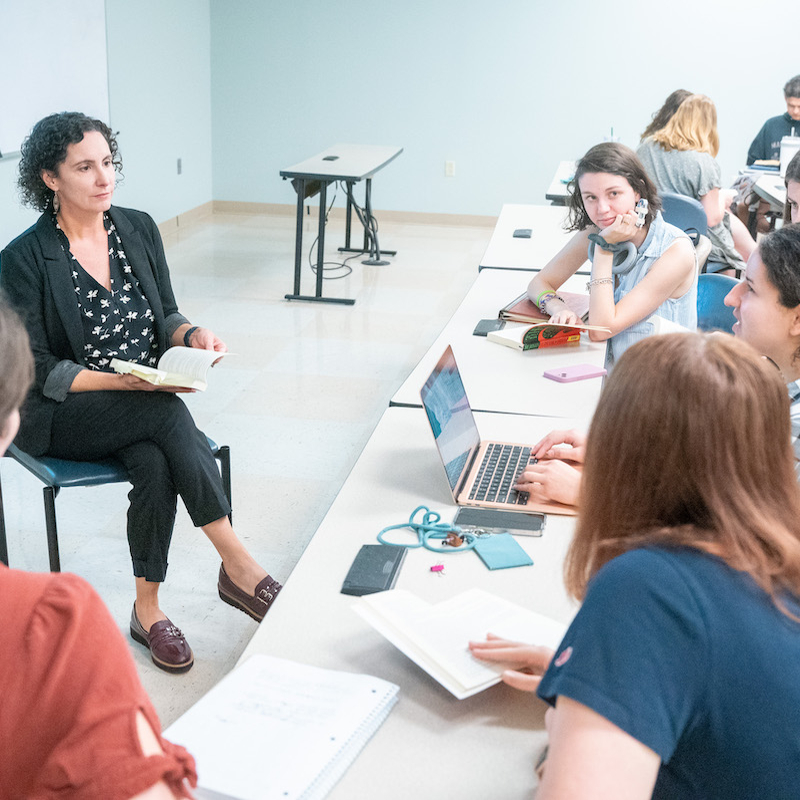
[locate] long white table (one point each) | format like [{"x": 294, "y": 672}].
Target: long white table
[
  {"x": 432, "y": 745},
  {"x": 501, "y": 379},
  {"x": 557, "y": 191},
  {"x": 771, "y": 187},
  {"x": 546, "y": 223}
]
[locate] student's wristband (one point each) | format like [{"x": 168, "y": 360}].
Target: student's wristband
[
  {"x": 545, "y": 297},
  {"x": 597, "y": 282},
  {"x": 188, "y": 335},
  {"x": 604, "y": 245}
]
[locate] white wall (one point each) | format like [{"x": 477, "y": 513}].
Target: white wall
[
  {"x": 160, "y": 103},
  {"x": 159, "y": 74},
  {"x": 505, "y": 89}
]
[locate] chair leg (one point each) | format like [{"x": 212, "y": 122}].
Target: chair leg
[
  {"x": 3, "y": 542},
  {"x": 223, "y": 455},
  {"x": 50, "y": 493}
]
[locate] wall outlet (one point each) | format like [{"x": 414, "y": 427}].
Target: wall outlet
[
  {"x": 180, "y": 166},
  {"x": 449, "y": 169}
]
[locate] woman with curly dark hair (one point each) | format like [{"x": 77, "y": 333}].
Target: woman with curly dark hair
[{"x": 91, "y": 282}]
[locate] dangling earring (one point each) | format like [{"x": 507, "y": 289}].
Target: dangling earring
[{"x": 56, "y": 203}]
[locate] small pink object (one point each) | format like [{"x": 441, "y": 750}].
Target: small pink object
[{"x": 437, "y": 568}]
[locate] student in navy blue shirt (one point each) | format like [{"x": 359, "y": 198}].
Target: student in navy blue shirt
[
  {"x": 767, "y": 144},
  {"x": 680, "y": 675}
]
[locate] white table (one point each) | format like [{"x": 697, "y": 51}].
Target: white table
[
  {"x": 557, "y": 191},
  {"x": 771, "y": 188},
  {"x": 505, "y": 251},
  {"x": 432, "y": 745},
  {"x": 350, "y": 163},
  {"x": 498, "y": 378}
]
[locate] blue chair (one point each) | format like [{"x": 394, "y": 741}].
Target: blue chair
[
  {"x": 685, "y": 213},
  {"x": 689, "y": 215},
  {"x": 712, "y": 313},
  {"x": 56, "y": 473}
]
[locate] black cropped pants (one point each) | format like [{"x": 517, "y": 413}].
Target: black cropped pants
[{"x": 155, "y": 437}]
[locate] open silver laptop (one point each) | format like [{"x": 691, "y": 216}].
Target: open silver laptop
[{"x": 479, "y": 473}]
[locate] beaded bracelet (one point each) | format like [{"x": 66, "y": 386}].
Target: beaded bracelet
[
  {"x": 597, "y": 281},
  {"x": 545, "y": 297}
]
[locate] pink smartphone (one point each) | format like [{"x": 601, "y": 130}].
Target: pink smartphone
[{"x": 577, "y": 372}]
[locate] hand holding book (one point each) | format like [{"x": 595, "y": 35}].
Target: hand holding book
[
  {"x": 181, "y": 367},
  {"x": 526, "y": 662}
]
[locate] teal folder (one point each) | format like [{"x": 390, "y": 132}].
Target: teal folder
[{"x": 501, "y": 551}]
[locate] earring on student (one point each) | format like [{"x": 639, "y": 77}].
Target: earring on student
[{"x": 56, "y": 202}]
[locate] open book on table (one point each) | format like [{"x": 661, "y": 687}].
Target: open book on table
[
  {"x": 186, "y": 367},
  {"x": 279, "y": 730},
  {"x": 523, "y": 309},
  {"x": 435, "y": 637},
  {"x": 540, "y": 335}
]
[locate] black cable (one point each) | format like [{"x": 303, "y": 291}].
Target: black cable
[
  {"x": 370, "y": 225},
  {"x": 332, "y": 265}
]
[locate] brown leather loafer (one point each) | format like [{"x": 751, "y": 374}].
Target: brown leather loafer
[
  {"x": 168, "y": 648},
  {"x": 255, "y": 605}
]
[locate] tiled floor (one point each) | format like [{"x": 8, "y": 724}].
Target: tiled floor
[{"x": 296, "y": 404}]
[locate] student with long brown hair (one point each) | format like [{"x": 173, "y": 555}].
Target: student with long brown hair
[{"x": 679, "y": 676}]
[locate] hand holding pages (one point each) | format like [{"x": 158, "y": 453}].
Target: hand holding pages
[
  {"x": 186, "y": 367},
  {"x": 436, "y": 637}
]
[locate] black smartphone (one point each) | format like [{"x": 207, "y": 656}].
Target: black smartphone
[
  {"x": 496, "y": 520},
  {"x": 486, "y": 325}
]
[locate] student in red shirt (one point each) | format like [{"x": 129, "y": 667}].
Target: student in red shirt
[{"x": 74, "y": 719}]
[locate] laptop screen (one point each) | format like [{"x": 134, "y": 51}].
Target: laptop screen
[{"x": 450, "y": 417}]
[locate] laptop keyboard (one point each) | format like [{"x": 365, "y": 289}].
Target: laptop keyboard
[{"x": 501, "y": 465}]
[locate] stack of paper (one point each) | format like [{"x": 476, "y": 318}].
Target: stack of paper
[{"x": 275, "y": 729}]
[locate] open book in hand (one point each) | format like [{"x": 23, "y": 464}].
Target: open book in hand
[
  {"x": 435, "y": 637},
  {"x": 542, "y": 334},
  {"x": 186, "y": 367}
]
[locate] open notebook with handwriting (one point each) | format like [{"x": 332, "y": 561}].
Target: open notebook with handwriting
[{"x": 279, "y": 729}]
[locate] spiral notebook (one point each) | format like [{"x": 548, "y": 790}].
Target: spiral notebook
[{"x": 278, "y": 729}]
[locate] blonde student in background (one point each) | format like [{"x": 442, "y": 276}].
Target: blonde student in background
[
  {"x": 681, "y": 670},
  {"x": 92, "y": 283},
  {"x": 641, "y": 265},
  {"x": 681, "y": 158}
]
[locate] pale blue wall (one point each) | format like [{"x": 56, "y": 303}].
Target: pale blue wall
[
  {"x": 505, "y": 89},
  {"x": 159, "y": 73},
  {"x": 160, "y": 102}
]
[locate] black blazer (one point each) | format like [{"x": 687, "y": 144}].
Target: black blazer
[{"x": 35, "y": 275}]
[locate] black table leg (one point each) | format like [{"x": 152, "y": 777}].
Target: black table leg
[{"x": 320, "y": 249}]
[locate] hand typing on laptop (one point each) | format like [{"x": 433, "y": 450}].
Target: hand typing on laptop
[{"x": 552, "y": 474}]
